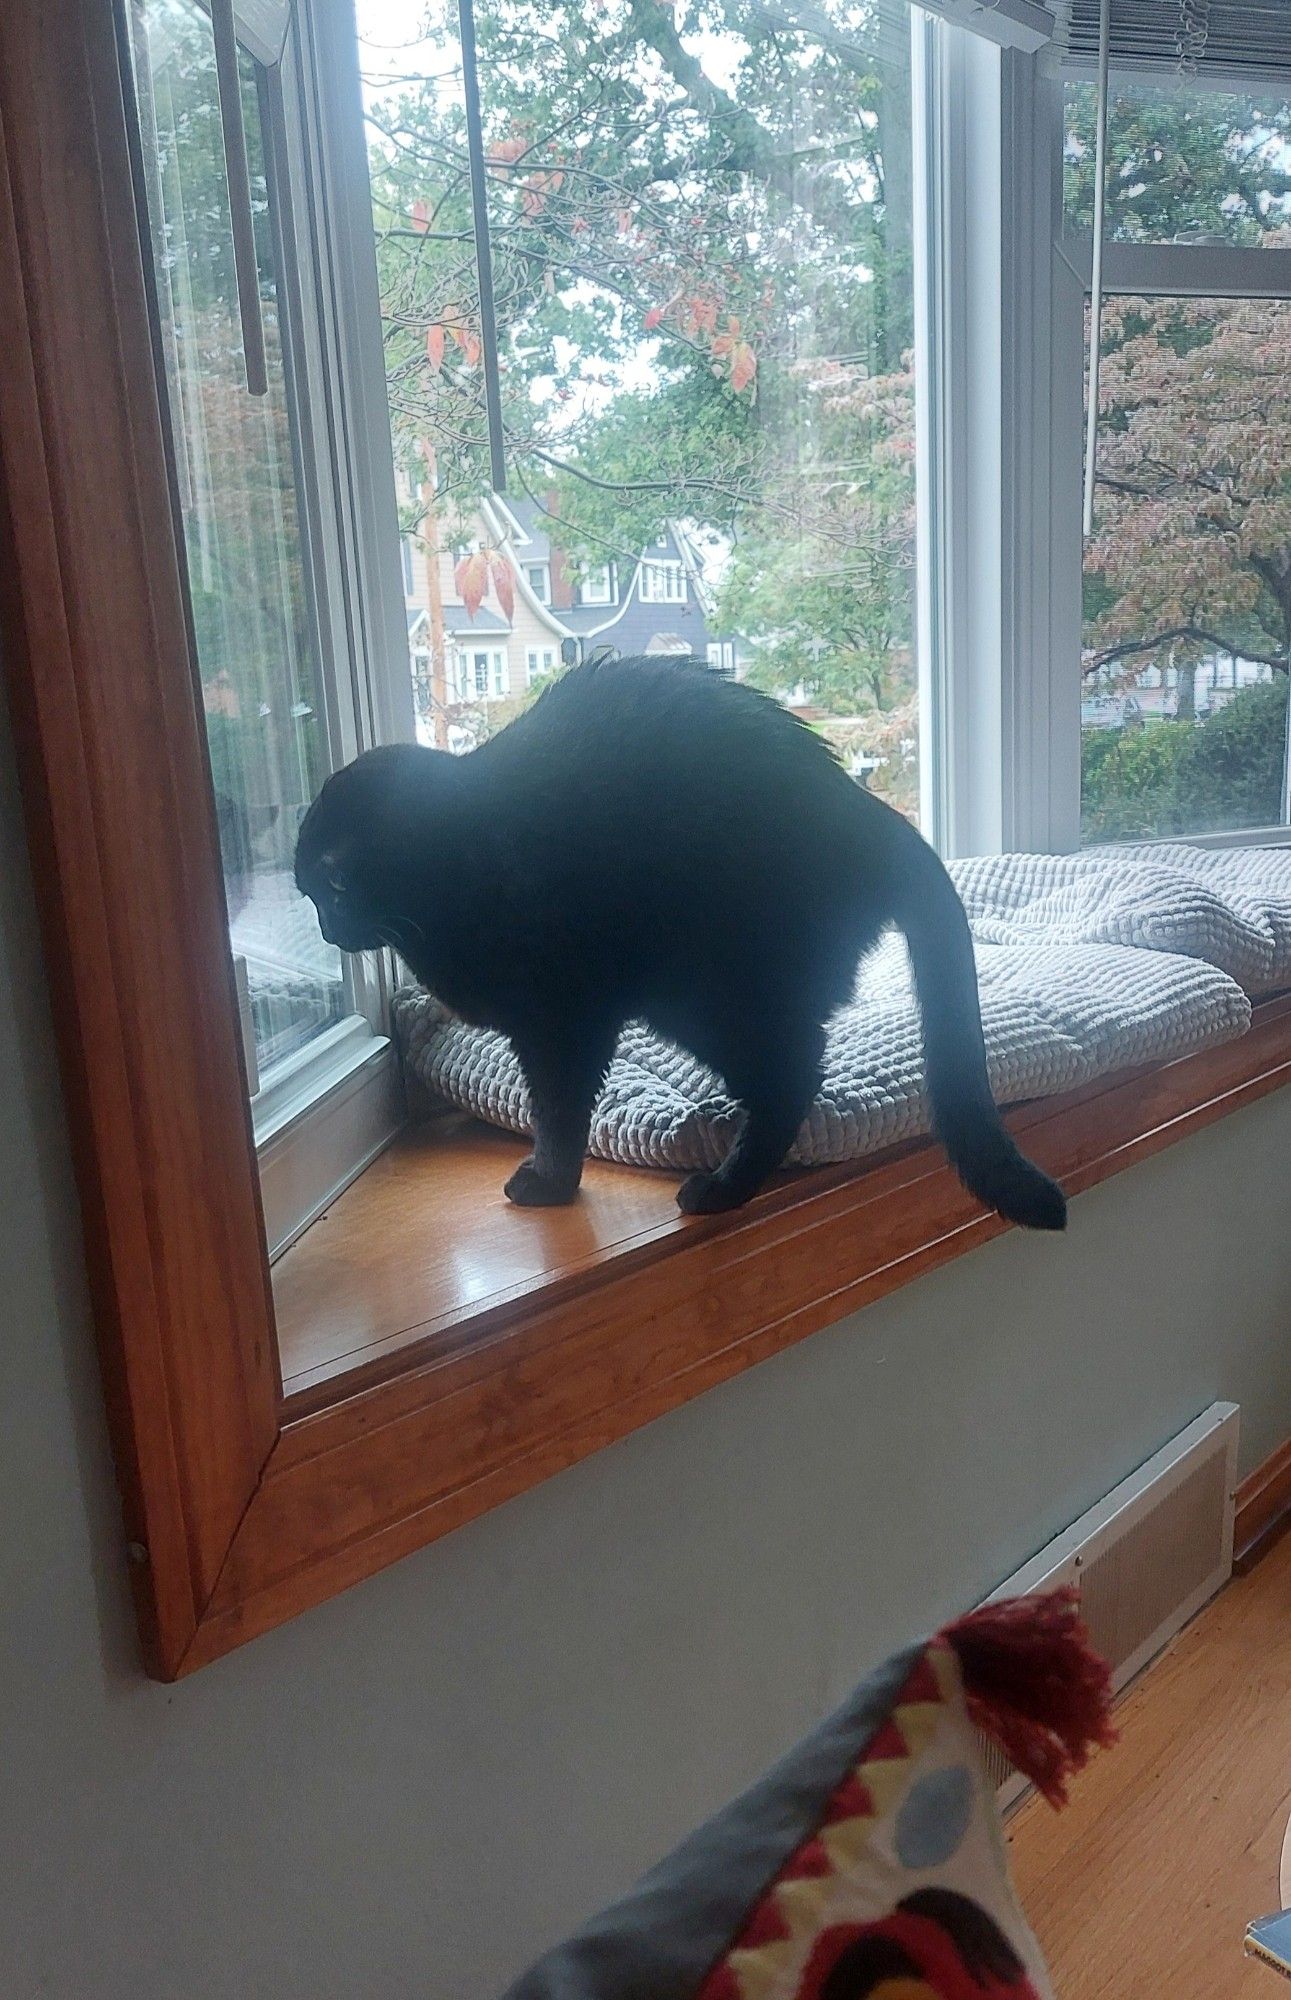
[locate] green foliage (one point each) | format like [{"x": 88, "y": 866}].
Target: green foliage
[
  {"x": 1191, "y": 555},
  {"x": 1180, "y": 778},
  {"x": 701, "y": 222},
  {"x": 1181, "y": 163}
]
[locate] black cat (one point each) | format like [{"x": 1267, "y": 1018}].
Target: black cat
[{"x": 653, "y": 842}]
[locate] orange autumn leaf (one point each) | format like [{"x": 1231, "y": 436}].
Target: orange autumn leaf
[
  {"x": 744, "y": 365},
  {"x": 471, "y": 578},
  {"x": 467, "y": 340},
  {"x": 702, "y": 316},
  {"x": 536, "y": 189},
  {"x": 505, "y": 153},
  {"x": 503, "y": 583},
  {"x": 724, "y": 343},
  {"x": 420, "y": 217},
  {"x": 435, "y": 347}
]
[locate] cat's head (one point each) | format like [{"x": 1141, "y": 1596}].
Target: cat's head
[{"x": 358, "y": 846}]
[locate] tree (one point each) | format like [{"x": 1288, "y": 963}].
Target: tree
[
  {"x": 1225, "y": 772},
  {"x": 1191, "y": 558},
  {"x": 1193, "y": 545},
  {"x": 701, "y": 231},
  {"x": 1182, "y": 164}
]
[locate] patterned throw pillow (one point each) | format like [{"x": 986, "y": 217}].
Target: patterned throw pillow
[{"x": 869, "y": 1864}]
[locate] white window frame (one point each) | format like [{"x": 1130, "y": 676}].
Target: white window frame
[
  {"x": 497, "y": 675},
  {"x": 602, "y": 591},
  {"x": 663, "y": 580},
  {"x": 541, "y": 589},
  {"x": 998, "y": 556},
  {"x": 540, "y": 660}
]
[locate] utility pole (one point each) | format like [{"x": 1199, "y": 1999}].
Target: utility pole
[{"x": 434, "y": 599}]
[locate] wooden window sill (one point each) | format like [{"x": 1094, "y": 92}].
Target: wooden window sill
[
  {"x": 424, "y": 1259},
  {"x": 443, "y": 1352}
]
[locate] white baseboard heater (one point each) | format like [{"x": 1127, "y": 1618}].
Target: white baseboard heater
[{"x": 1146, "y": 1558}]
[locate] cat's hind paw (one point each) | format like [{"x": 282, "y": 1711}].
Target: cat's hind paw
[
  {"x": 527, "y": 1188},
  {"x": 708, "y": 1194}
]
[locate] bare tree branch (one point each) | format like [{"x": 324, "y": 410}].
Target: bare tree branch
[{"x": 1111, "y": 654}]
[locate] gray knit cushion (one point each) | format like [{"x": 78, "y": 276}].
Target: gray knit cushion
[
  {"x": 1229, "y": 906},
  {"x": 1087, "y": 964}
]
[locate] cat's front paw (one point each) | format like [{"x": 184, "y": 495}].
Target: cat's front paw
[
  {"x": 708, "y": 1194},
  {"x": 527, "y": 1188}
]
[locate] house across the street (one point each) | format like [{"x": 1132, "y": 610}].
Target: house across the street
[{"x": 561, "y": 612}]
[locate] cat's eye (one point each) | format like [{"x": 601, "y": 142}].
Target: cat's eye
[{"x": 336, "y": 883}]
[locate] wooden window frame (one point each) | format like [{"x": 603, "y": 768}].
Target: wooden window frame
[{"x": 241, "y": 1507}]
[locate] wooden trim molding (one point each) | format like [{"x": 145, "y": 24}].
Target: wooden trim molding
[
  {"x": 380, "y": 1471},
  {"x": 122, "y": 823},
  {"x": 1263, "y": 1506},
  {"x": 241, "y": 1506}
]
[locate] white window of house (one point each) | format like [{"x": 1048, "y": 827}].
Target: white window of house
[
  {"x": 596, "y": 584},
  {"x": 1185, "y": 619},
  {"x": 721, "y": 654},
  {"x": 538, "y": 576},
  {"x": 480, "y": 673},
  {"x": 663, "y": 583},
  {"x": 540, "y": 660}
]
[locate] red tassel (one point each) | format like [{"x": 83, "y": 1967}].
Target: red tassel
[{"x": 1035, "y": 1686}]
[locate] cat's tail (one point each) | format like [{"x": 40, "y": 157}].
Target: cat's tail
[{"x": 964, "y": 1112}]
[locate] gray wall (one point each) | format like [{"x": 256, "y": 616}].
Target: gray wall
[{"x": 411, "y": 1790}]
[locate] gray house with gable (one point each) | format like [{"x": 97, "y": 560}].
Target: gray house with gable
[{"x": 656, "y": 603}]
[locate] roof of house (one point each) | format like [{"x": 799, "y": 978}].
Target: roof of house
[
  {"x": 458, "y": 623},
  {"x": 485, "y": 624},
  {"x": 630, "y": 625}
]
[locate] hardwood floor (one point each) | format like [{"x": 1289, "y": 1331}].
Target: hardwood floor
[{"x": 1144, "y": 1885}]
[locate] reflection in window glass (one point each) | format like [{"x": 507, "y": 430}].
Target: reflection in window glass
[
  {"x": 256, "y": 649},
  {"x": 701, "y": 226},
  {"x": 1187, "y": 165},
  {"x": 1187, "y": 593}
]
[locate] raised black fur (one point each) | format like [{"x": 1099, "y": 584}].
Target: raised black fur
[{"x": 653, "y": 842}]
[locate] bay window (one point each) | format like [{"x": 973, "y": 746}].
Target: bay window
[
  {"x": 823, "y": 332},
  {"x": 790, "y": 318}
]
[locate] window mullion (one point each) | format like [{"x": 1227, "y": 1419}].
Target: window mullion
[
  {"x": 1041, "y": 478},
  {"x": 999, "y": 563},
  {"x": 958, "y": 319}
]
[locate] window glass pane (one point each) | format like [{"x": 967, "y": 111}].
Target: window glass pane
[
  {"x": 1188, "y": 165},
  {"x": 701, "y": 225},
  {"x": 1187, "y": 593},
  {"x": 257, "y": 652}
]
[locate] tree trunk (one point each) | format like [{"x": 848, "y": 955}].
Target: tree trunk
[{"x": 1185, "y": 707}]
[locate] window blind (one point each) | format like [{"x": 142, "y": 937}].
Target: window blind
[
  {"x": 1018, "y": 24},
  {"x": 1238, "y": 39}
]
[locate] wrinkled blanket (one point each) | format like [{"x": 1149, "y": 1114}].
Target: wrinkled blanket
[{"x": 1087, "y": 963}]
